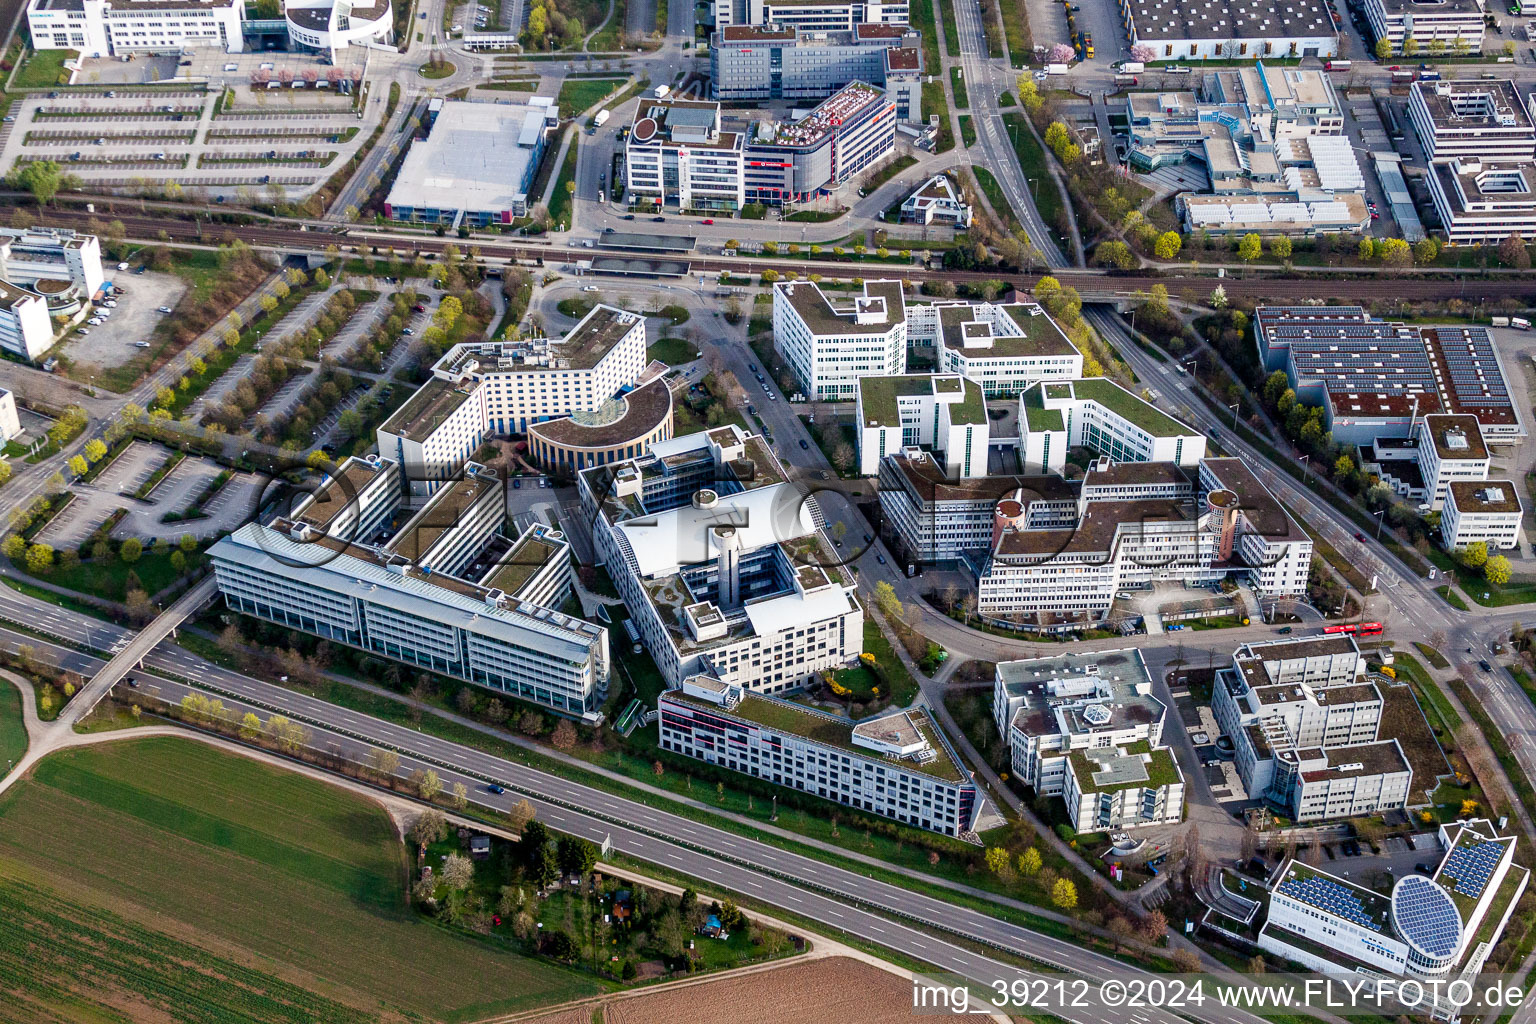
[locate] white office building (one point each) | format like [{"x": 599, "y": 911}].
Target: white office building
[
  {"x": 1477, "y": 119},
  {"x": 722, "y": 563},
  {"x": 404, "y": 599},
  {"x": 1230, "y": 29},
  {"x": 1004, "y": 347},
  {"x": 1087, "y": 728},
  {"x": 815, "y": 15},
  {"x": 1483, "y": 202},
  {"x": 1486, "y": 511},
  {"x": 1436, "y": 26},
  {"x": 829, "y": 347},
  {"x": 102, "y": 28},
  {"x": 501, "y": 387},
  {"x": 1098, "y": 413},
  {"x": 1430, "y": 927},
  {"x": 10, "y": 421},
  {"x": 941, "y": 413},
  {"x": 677, "y": 155},
  {"x": 44, "y": 272},
  {"x": 330, "y": 26},
  {"x": 936, "y": 201},
  {"x": 774, "y": 62},
  {"x": 897, "y": 765}
]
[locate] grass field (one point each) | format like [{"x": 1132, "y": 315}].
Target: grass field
[
  {"x": 577, "y": 94},
  {"x": 43, "y": 69},
  {"x": 154, "y": 571},
  {"x": 13, "y": 733},
  {"x": 1032, "y": 159},
  {"x": 672, "y": 351},
  {"x": 175, "y": 882},
  {"x": 560, "y": 200}
]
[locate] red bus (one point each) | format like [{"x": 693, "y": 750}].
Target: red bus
[{"x": 1357, "y": 629}]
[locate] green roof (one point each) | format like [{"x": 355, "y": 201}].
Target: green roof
[
  {"x": 878, "y": 397},
  {"x": 1126, "y": 405},
  {"x": 1160, "y": 769},
  {"x": 1036, "y": 415},
  {"x": 972, "y": 409}
]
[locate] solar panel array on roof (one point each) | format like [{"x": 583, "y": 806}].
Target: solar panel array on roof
[
  {"x": 1382, "y": 365},
  {"x": 1426, "y": 917},
  {"x": 1469, "y": 866},
  {"x": 1326, "y": 894},
  {"x": 1470, "y": 364}
]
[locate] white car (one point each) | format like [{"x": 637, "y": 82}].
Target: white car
[
  {"x": 231, "y": 67},
  {"x": 590, "y": 288},
  {"x": 110, "y": 303},
  {"x": 122, "y": 266},
  {"x": 163, "y": 309},
  {"x": 141, "y": 344},
  {"x": 84, "y": 330},
  {"x": 103, "y": 311},
  {"x": 95, "y": 321}
]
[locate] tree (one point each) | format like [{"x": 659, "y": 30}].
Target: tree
[
  {"x": 1281, "y": 247},
  {"x": 1121, "y": 929},
  {"x": 1154, "y": 926},
  {"x": 1513, "y": 253},
  {"x": 39, "y": 558},
  {"x": 1218, "y": 299},
  {"x": 1395, "y": 253},
  {"x": 575, "y": 855},
  {"x": 178, "y": 562},
  {"x": 1029, "y": 862},
  {"x": 1167, "y": 245},
  {"x": 131, "y": 550},
  {"x": 428, "y": 784},
  {"x": 384, "y": 763},
  {"x": 1186, "y": 960},
  {"x": 564, "y": 737},
  {"x": 558, "y": 945},
  {"x": 1250, "y": 248},
  {"x": 460, "y": 796},
  {"x": 519, "y": 815},
  {"x": 1064, "y": 894},
  {"x": 44, "y": 179},
  {"x": 95, "y": 450},
  {"x": 997, "y": 860},
  {"x": 429, "y": 827},
  {"x": 544, "y": 868},
  {"x": 250, "y": 726},
  {"x": 187, "y": 543},
  {"x": 1475, "y": 555},
  {"x": 1366, "y": 250},
  {"x": 1496, "y": 570},
  {"x": 77, "y": 465},
  {"x": 458, "y": 871},
  {"x": 1426, "y": 251},
  {"x": 1061, "y": 53},
  {"x": 1383, "y": 48},
  {"x": 1115, "y": 253}
]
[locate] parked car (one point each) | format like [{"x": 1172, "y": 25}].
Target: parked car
[
  {"x": 804, "y": 446},
  {"x": 1285, "y": 630},
  {"x": 879, "y": 558},
  {"x": 420, "y": 307},
  {"x": 95, "y": 321},
  {"x": 163, "y": 309}
]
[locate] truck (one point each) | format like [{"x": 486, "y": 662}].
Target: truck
[
  {"x": 601, "y": 118},
  {"x": 1132, "y": 67},
  {"x": 1519, "y": 323},
  {"x": 1056, "y": 69},
  {"x": 1429, "y": 76},
  {"x": 1337, "y": 65},
  {"x": 1499, "y": 321},
  {"x": 1402, "y": 76},
  {"x": 1126, "y": 80},
  {"x": 661, "y": 91}
]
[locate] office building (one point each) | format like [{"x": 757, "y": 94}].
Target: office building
[
  {"x": 504, "y": 387},
  {"x": 1269, "y": 216},
  {"x": 1483, "y": 202},
  {"x": 897, "y": 765},
  {"x": 813, "y": 15},
  {"x": 1483, "y": 511},
  {"x": 102, "y": 28},
  {"x": 722, "y": 563},
  {"x": 936, "y": 201},
  {"x": 475, "y": 166},
  {"x": 1375, "y": 379},
  {"x": 677, "y": 154},
  {"x": 10, "y": 421},
  {"x": 777, "y": 62},
  {"x": 1305, "y": 724},
  {"x": 44, "y": 273},
  {"x": 1097, "y": 413},
  {"x": 1087, "y": 728},
  {"x": 1137, "y": 525},
  {"x": 1004, "y": 347},
  {"x": 1437, "y": 26},
  {"x": 830, "y": 347},
  {"x": 622, "y": 428},
  {"x": 1474, "y": 120},
  {"x": 330, "y": 26},
  {"x": 1230, "y": 29},
  {"x": 845, "y": 135},
  {"x": 1431, "y": 927},
  {"x": 419, "y": 597},
  {"x": 940, "y": 413}
]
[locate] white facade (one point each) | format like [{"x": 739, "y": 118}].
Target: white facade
[
  {"x": 1097, "y": 413},
  {"x": 1435, "y": 27},
  {"x": 936, "y": 200},
  {"x": 35, "y": 263},
  {"x": 1476, "y": 119},
  {"x": 1229, "y": 29},
  {"x": 330, "y": 26},
  {"x": 1483, "y": 202},
  {"x": 830, "y": 347},
  {"x": 10, "y": 422},
  {"x": 25, "y": 327},
  {"x": 1487, "y": 511},
  {"x": 943, "y": 414},
  {"x": 1451, "y": 449},
  {"x": 1004, "y": 347},
  {"x": 820, "y": 14},
  {"x": 897, "y": 765},
  {"x": 676, "y": 152},
  {"x": 100, "y": 28}
]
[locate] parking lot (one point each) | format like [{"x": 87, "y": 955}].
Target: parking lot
[
  {"x": 176, "y": 493},
  {"x": 96, "y": 501},
  {"x": 133, "y": 320}
]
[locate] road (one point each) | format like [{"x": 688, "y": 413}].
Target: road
[{"x": 828, "y": 895}]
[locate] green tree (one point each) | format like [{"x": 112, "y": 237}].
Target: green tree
[
  {"x": 77, "y": 465},
  {"x": 1168, "y": 245},
  {"x": 178, "y": 562},
  {"x": 131, "y": 550},
  {"x": 1275, "y": 385},
  {"x": 39, "y": 558},
  {"x": 429, "y": 785},
  {"x": 997, "y": 860},
  {"x": 1064, "y": 894},
  {"x": 1029, "y": 861},
  {"x": 1281, "y": 247},
  {"x": 1383, "y": 48},
  {"x": 1250, "y": 248},
  {"x": 44, "y": 179},
  {"x": 1475, "y": 555},
  {"x": 95, "y": 450},
  {"x": 1115, "y": 253},
  {"x": 1496, "y": 570},
  {"x": 1366, "y": 250},
  {"x": 1426, "y": 251},
  {"x": 187, "y": 543},
  {"x": 575, "y": 855},
  {"x": 13, "y": 547},
  {"x": 1395, "y": 253}
]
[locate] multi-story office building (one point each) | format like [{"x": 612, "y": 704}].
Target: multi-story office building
[
  {"x": 330, "y": 26},
  {"x": 1098, "y": 413},
  {"x": 10, "y": 421},
  {"x": 44, "y": 272},
  {"x": 1086, "y": 727},
  {"x": 773, "y": 62},
  {"x": 1485, "y": 511},
  {"x": 1230, "y": 29},
  {"x": 1375, "y": 379},
  {"x": 677, "y": 153},
  {"x": 1434, "y": 926},
  {"x": 1004, "y": 347},
  {"x": 318, "y": 571},
  {"x": 1483, "y": 202},
  {"x": 939, "y": 517},
  {"x": 940, "y": 413},
  {"x": 621, "y": 429},
  {"x": 25, "y": 327},
  {"x": 936, "y": 200},
  {"x": 1434, "y": 25},
  {"x": 815, "y": 15},
  {"x": 101, "y": 28},
  {"x": 722, "y": 564},
  {"x": 897, "y": 765},
  {"x": 1305, "y": 725},
  {"x": 829, "y": 347},
  {"x": 1478, "y": 120},
  {"x": 1451, "y": 448},
  {"x": 1061, "y": 575},
  {"x": 845, "y": 135},
  {"x": 475, "y": 166},
  {"x": 505, "y": 386}
]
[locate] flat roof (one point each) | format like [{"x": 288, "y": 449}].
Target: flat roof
[
  {"x": 429, "y": 408},
  {"x": 1456, "y": 437},
  {"x": 828, "y": 115},
  {"x": 1037, "y": 334},
  {"x": 1474, "y": 104},
  {"x": 1485, "y": 496},
  {"x": 530, "y": 553},
  {"x": 1231, "y": 19},
  {"x": 1359, "y": 760},
  {"x": 675, "y": 244},
  {"x": 442, "y": 513},
  {"x": 631, "y": 416},
  {"x": 339, "y": 492},
  {"x": 476, "y": 157},
  {"x": 816, "y": 309},
  {"x": 926, "y": 479},
  {"x": 879, "y": 397},
  {"x": 1129, "y": 407},
  {"x": 1057, "y": 690},
  {"x": 1113, "y": 769},
  {"x": 1258, "y": 506},
  {"x": 1335, "y": 896}
]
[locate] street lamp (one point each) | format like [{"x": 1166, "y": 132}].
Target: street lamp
[
  {"x": 1306, "y": 468},
  {"x": 1381, "y": 517},
  {"x": 1235, "y": 406}
]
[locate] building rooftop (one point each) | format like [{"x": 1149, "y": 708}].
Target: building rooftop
[
  {"x": 755, "y": 33},
  {"x": 903, "y": 58},
  {"x": 1028, "y": 331},
  {"x": 1125, "y": 405},
  {"x": 1056, "y": 695},
  {"x": 881, "y": 305},
  {"x": 1359, "y": 760},
  {"x": 429, "y": 408},
  {"x": 828, "y": 115},
  {"x": 1473, "y": 104},
  {"x": 339, "y": 492},
  {"x": 1471, "y": 380},
  {"x": 536, "y": 548},
  {"x": 477, "y": 157},
  {"x": 1262, "y": 510},
  {"x": 442, "y": 512},
  {"x": 1484, "y": 496},
  {"x": 1456, "y": 437},
  {"x": 879, "y": 397},
  {"x": 1231, "y": 19},
  {"x": 1096, "y": 529},
  {"x": 1335, "y": 896},
  {"x": 925, "y": 477},
  {"x": 1035, "y": 415},
  {"x": 1113, "y": 769},
  {"x": 1121, "y": 474},
  {"x": 635, "y": 414}
]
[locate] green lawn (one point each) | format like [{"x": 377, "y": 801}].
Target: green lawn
[
  {"x": 990, "y": 187},
  {"x": 111, "y": 581},
  {"x": 42, "y": 69},
  {"x": 672, "y": 351},
  {"x": 1021, "y": 45},
  {"x": 1451, "y": 597},
  {"x": 967, "y": 131},
  {"x": 13, "y": 732},
  {"x": 921, "y": 13},
  {"x": 1032, "y": 159},
  {"x": 560, "y": 201},
  {"x": 577, "y": 94},
  {"x": 951, "y": 33},
  {"x": 957, "y": 83},
  {"x": 443, "y": 69},
  {"x": 166, "y": 875}
]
